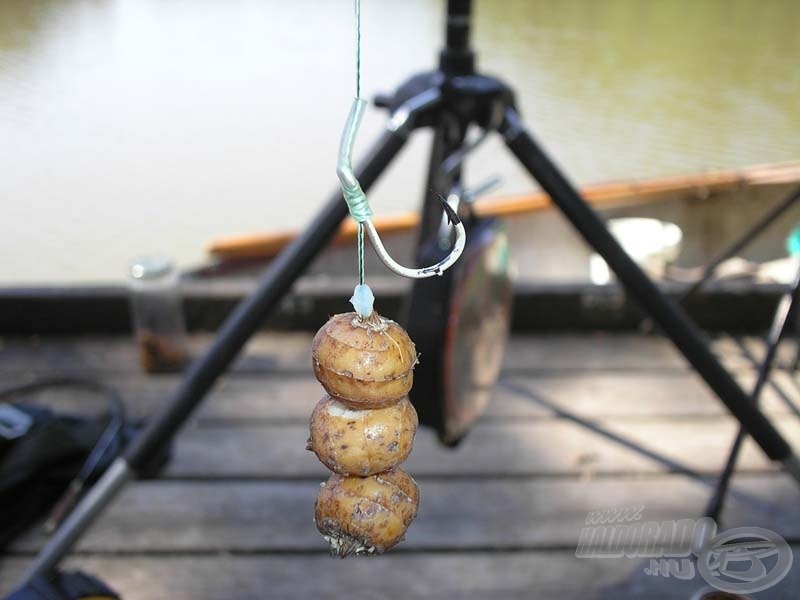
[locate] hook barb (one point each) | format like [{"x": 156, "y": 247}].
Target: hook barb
[{"x": 452, "y": 215}]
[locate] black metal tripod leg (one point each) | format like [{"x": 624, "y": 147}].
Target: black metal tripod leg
[
  {"x": 230, "y": 339},
  {"x": 247, "y": 316},
  {"x": 669, "y": 317},
  {"x": 742, "y": 242},
  {"x": 784, "y": 318}
]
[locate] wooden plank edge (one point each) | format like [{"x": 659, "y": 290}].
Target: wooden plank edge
[
  {"x": 614, "y": 193},
  {"x": 724, "y": 306}
]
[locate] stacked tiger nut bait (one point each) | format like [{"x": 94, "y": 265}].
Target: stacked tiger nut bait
[{"x": 362, "y": 430}]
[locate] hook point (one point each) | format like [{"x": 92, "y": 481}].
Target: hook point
[{"x": 452, "y": 216}]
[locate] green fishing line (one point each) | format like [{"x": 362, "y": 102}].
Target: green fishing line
[
  {"x": 358, "y": 48},
  {"x": 361, "y": 254},
  {"x": 359, "y": 208},
  {"x": 358, "y": 95},
  {"x": 351, "y": 190}
]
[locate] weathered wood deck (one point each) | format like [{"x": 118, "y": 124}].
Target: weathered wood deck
[{"x": 577, "y": 424}]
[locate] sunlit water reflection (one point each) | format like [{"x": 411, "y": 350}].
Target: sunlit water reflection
[{"x": 136, "y": 126}]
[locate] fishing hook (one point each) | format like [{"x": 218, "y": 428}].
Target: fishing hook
[{"x": 361, "y": 212}]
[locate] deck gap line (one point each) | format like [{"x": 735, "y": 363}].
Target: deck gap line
[
  {"x": 442, "y": 550},
  {"x": 302, "y": 372},
  {"x": 581, "y": 477},
  {"x": 304, "y": 551},
  {"x": 660, "y": 418}
]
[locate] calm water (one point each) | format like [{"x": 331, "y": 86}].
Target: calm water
[{"x": 135, "y": 126}]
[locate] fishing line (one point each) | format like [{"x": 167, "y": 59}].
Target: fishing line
[
  {"x": 359, "y": 208},
  {"x": 360, "y": 236},
  {"x": 360, "y": 254},
  {"x": 358, "y": 48},
  {"x": 358, "y": 95}
]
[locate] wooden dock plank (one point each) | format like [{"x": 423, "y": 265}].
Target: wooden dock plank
[
  {"x": 290, "y": 398},
  {"x": 290, "y": 352},
  {"x": 506, "y": 448},
  {"x": 250, "y": 516},
  {"x": 544, "y": 575},
  {"x": 579, "y": 423}
]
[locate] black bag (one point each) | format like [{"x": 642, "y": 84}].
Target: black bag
[{"x": 37, "y": 466}]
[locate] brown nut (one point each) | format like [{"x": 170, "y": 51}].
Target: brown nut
[
  {"x": 366, "y": 515},
  {"x": 366, "y": 363},
  {"x": 362, "y": 442}
]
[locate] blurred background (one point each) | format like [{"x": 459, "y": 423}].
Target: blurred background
[
  {"x": 148, "y": 129},
  {"x": 143, "y": 126}
]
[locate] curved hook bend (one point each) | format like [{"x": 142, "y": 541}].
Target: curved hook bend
[
  {"x": 438, "y": 268},
  {"x": 359, "y": 207}
]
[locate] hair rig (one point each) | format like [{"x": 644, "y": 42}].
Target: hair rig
[{"x": 360, "y": 211}]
